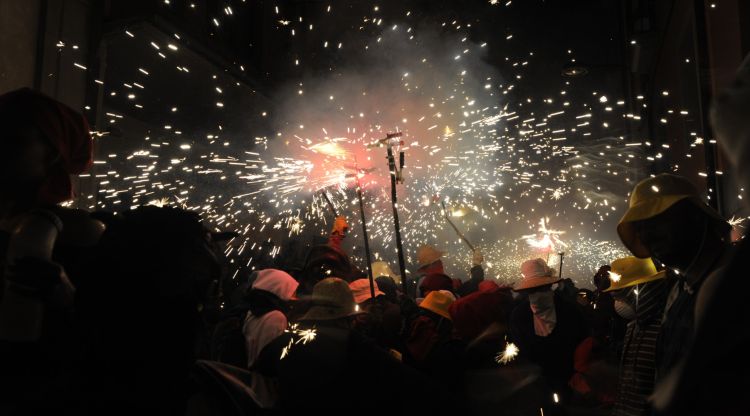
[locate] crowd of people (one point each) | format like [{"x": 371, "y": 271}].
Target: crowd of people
[{"x": 104, "y": 313}]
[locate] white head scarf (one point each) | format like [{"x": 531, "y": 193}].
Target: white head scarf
[
  {"x": 278, "y": 282},
  {"x": 545, "y": 316}
]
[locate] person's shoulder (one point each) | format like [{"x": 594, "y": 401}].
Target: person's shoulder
[
  {"x": 79, "y": 227},
  {"x": 274, "y": 318},
  {"x": 522, "y": 309},
  {"x": 391, "y": 307},
  {"x": 367, "y": 348},
  {"x": 521, "y": 319},
  {"x": 275, "y": 315},
  {"x": 565, "y": 305}
]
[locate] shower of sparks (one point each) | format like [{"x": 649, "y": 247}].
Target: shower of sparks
[
  {"x": 737, "y": 222},
  {"x": 547, "y": 240},
  {"x": 285, "y": 350},
  {"x": 161, "y": 202},
  {"x": 303, "y": 337},
  {"x": 507, "y": 355},
  {"x": 490, "y": 145}
]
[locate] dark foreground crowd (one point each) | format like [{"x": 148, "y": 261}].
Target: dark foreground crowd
[{"x": 104, "y": 313}]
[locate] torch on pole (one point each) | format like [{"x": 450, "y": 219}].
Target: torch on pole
[
  {"x": 396, "y": 177},
  {"x": 330, "y": 204},
  {"x": 367, "y": 240},
  {"x": 459, "y": 233},
  {"x": 364, "y": 232}
]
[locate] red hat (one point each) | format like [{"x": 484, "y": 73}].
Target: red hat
[
  {"x": 361, "y": 290},
  {"x": 472, "y": 314},
  {"x": 66, "y": 130},
  {"x": 435, "y": 282}
]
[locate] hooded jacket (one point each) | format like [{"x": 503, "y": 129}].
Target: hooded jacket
[
  {"x": 66, "y": 131},
  {"x": 261, "y": 330}
]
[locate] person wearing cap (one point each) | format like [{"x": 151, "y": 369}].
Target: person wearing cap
[
  {"x": 265, "y": 321},
  {"x": 432, "y": 326},
  {"x": 45, "y": 249},
  {"x": 431, "y": 275},
  {"x": 545, "y": 328},
  {"x": 382, "y": 322},
  {"x": 710, "y": 379},
  {"x": 390, "y": 284},
  {"x": 429, "y": 342},
  {"x": 309, "y": 371},
  {"x": 639, "y": 293},
  {"x": 268, "y": 303},
  {"x": 605, "y": 323},
  {"x": 42, "y": 143},
  {"x": 337, "y": 369},
  {"x": 667, "y": 221}
]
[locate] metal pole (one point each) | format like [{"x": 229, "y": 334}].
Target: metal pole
[
  {"x": 364, "y": 234},
  {"x": 394, "y": 204},
  {"x": 559, "y": 274},
  {"x": 330, "y": 204},
  {"x": 460, "y": 234}
]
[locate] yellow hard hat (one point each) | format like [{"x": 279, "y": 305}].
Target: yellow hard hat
[
  {"x": 651, "y": 197},
  {"x": 439, "y": 302},
  {"x": 631, "y": 271}
]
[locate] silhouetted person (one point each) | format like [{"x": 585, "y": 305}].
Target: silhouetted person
[
  {"x": 139, "y": 312},
  {"x": 712, "y": 378},
  {"x": 668, "y": 222},
  {"x": 546, "y": 328},
  {"x": 640, "y": 294},
  {"x": 44, "y": 248}
]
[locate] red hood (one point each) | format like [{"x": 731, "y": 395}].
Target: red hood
[{"x": 66, "y": 130}]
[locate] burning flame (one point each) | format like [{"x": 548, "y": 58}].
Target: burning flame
[
  {"x": 547, "y": 239},
  {"x": 329, "y": 149}
]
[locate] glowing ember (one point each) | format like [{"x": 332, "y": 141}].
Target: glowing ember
[
  {"x": 508, "y": 355},
  {"x": 304, "y": 336}
]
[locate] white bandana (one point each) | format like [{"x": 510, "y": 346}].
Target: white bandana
[{"x": 545, "y": 317}]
